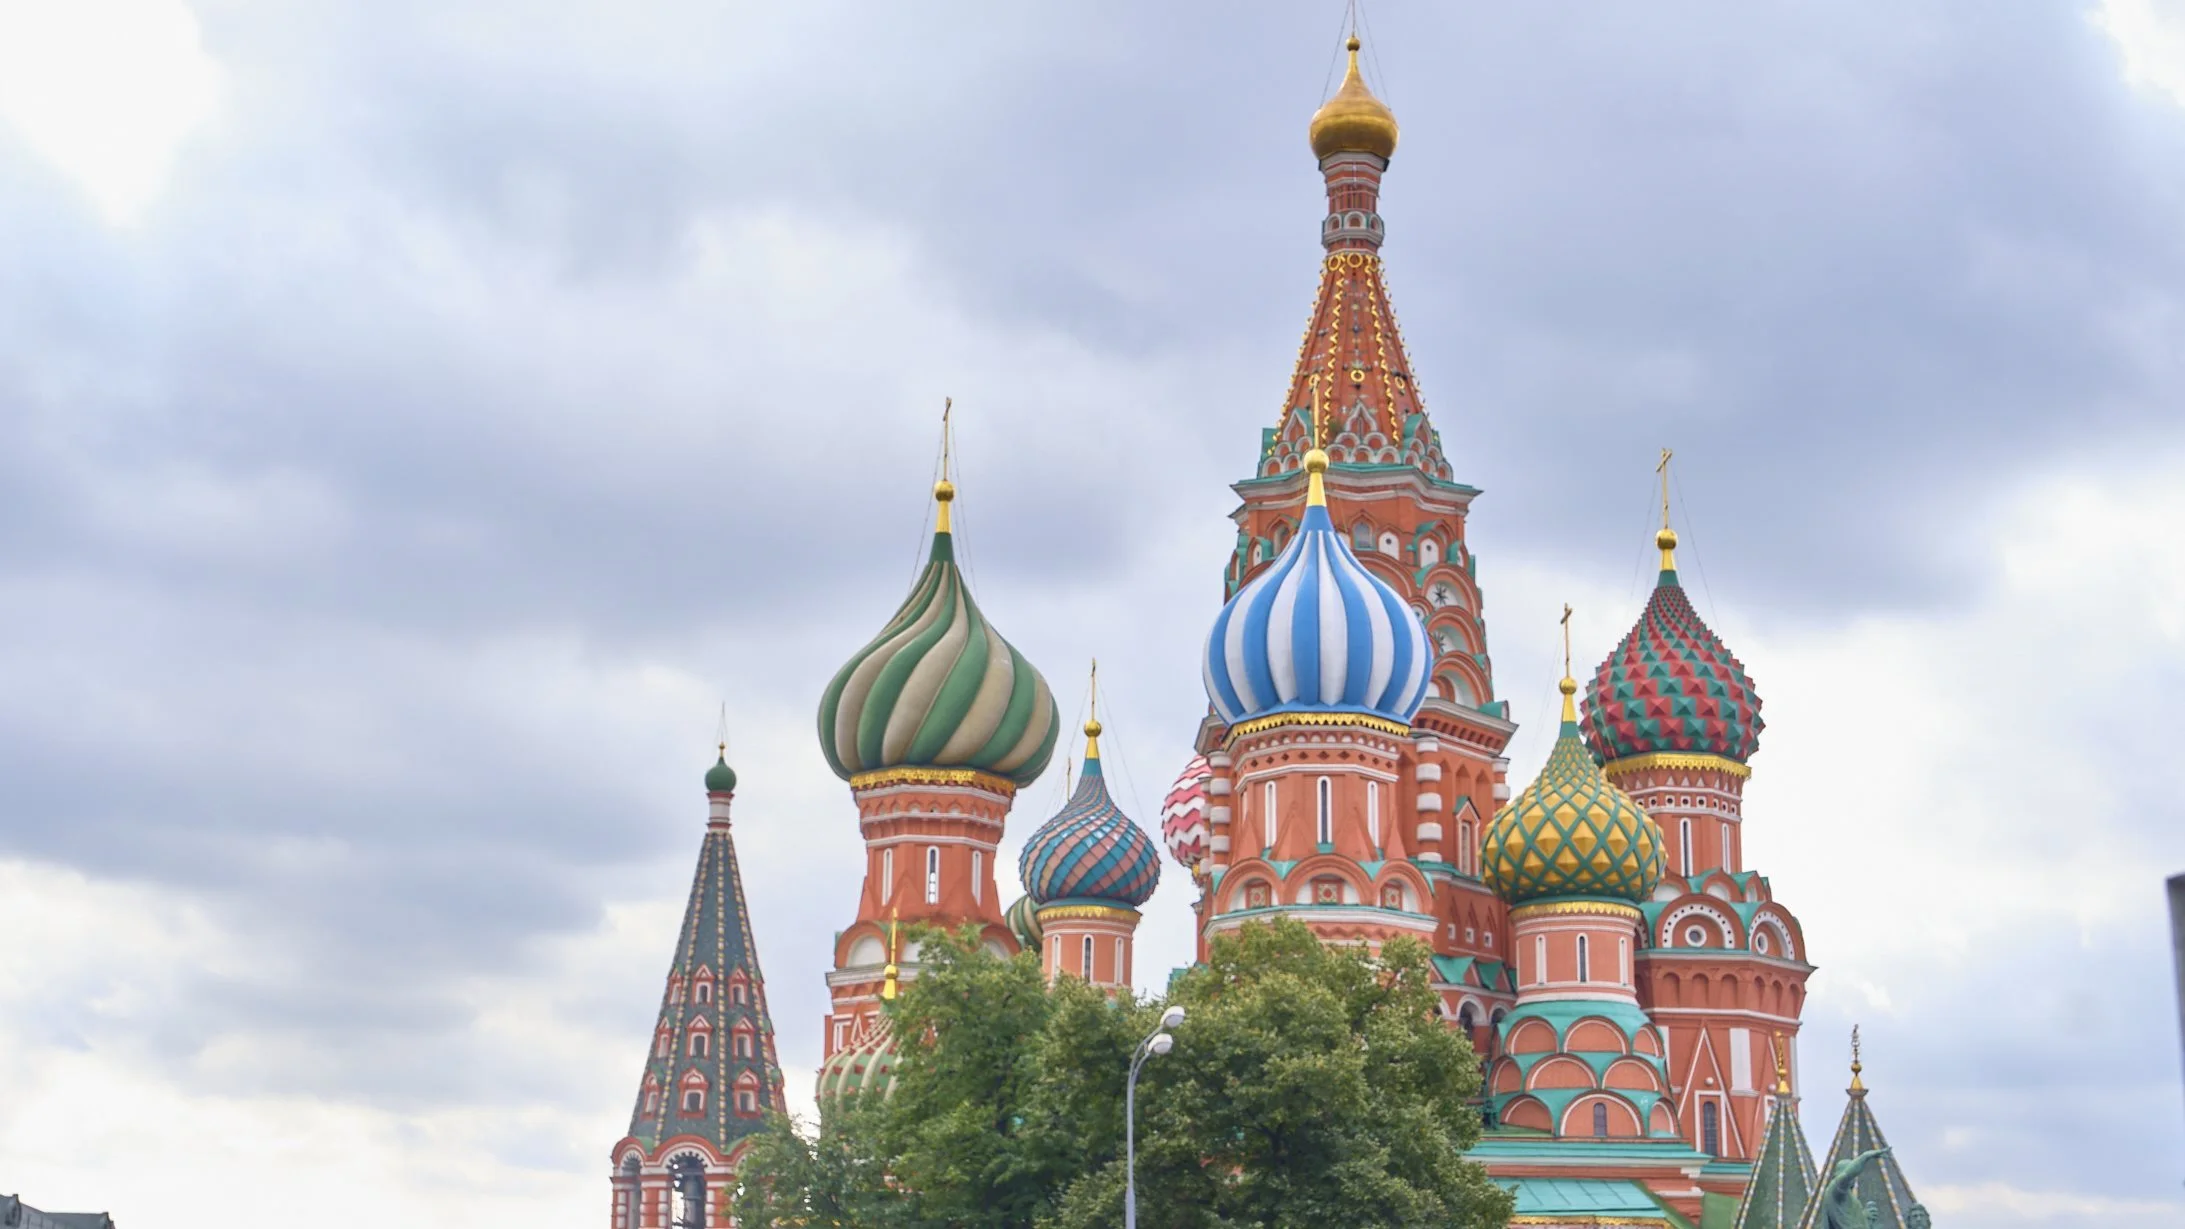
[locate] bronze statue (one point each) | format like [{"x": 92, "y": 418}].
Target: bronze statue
[{"x": 1840, "y": 1209}]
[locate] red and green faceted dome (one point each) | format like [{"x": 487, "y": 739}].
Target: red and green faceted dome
[{"x": 1672, "y": 685}]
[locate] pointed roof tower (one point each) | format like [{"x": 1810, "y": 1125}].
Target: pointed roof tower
[
  {"x": 711, "y": 1073},
  {"x": 1353, "y": 391},
  {"x": 1860, "y": 1161},
  {"x": 1783, "y": 1178}
]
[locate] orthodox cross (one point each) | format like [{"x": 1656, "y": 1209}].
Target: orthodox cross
[
  {"x": 1566, "y": 640},
  {"x": 1662, "y": 468}
]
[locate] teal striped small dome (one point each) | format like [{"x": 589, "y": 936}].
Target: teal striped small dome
[{"x": 939, "y": 688}]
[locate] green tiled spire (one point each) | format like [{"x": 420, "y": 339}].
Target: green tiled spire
[
  {"x": 1783, "y": 1178},
  {"x": 715, "y": 1037},
  {"x": 1878, "y": 1186}
]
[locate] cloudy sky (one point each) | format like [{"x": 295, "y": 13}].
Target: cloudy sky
[{"x": 417, "y": 419}]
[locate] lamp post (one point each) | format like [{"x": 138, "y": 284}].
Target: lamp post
[{"x": 1157, "y": 1042}]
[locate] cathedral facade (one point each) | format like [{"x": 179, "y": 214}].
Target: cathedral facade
[{"x": 1634, "y": 989}]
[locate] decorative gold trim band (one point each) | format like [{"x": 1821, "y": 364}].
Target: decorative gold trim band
[
  {"x": 934, "y": 776},
  {"x": 1597, "y": 908},
  {"x": 1676, "y": 759},
  {"x": 1276, "y": 721},
  {"x": 1101, "y": 913}
]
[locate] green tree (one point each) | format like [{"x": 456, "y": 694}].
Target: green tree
[{"x": 1309, "y": 1085}]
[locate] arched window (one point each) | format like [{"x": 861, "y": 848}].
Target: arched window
[
  {"x": 694, "y": 1100},
  {"x": 1120, "y": 975},
  {"x": 662, "y": 1042},
  {"x": 1585, "y": 970},
  {"x": 1684, "y": 829},
  {"x": 1726, "y": 860},
  {"x": 1466, "y": 1020},
  {"x": 736, "y": 993},
  {"x": 698, "y": 1044},
  {"x": 747, "y": 1101},
  {"x": 1326, "y": 797},
  {"x": 887, "y": 875},
  {"x": 1623, "y": 961},
  {"x": 743, "y": 1045},
  {"x": 1373, "y": 813},
  {"x": 1390, "y": 546},
  {"x": 1600, "y": 1119},
  {"x": 978, "y": 876},
  {"x": 704, "y": 991},
  {"x": 1267, "y": 795},
  {"x": 1464, "y": 846},
  {"x": 1361, "y": 536},
  {"x": 1085, "y": 955},
  {"x": 933, "y": 874},
  {"x": 1710, "y": 1128},
  {"x": 1429, "y": 552},
  {"x": 1540, "y": 958}
]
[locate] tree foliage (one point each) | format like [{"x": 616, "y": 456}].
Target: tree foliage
[{"x": 1309, "y": 1086}]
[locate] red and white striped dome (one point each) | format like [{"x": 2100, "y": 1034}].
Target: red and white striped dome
[{"x": 1183, "y": 815}]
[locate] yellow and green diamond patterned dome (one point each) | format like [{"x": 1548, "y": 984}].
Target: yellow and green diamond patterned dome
[{"x": 1572, "y": 832}]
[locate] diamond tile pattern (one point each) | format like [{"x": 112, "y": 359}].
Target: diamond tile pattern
[
  {"x": 1572, "y": 833},
  {"x": 1672, "y": 685}
]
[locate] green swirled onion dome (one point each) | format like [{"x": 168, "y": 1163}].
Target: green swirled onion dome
[
  {"x": 864, "y": 1066},
  {"x": 1572, "y": 832},
  {"x": 939, "y": 688},
  {"x": 1023, "y": 919}
]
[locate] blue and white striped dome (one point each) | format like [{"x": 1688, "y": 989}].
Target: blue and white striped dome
[{"x": 1317, "y": 633}]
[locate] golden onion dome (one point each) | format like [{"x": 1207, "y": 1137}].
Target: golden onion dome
[
  {"x": 1572, "y": 832},
  {"x": 1354, "y": 121}
]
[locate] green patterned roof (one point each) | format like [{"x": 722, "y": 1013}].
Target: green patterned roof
[
  {"x": 1571, "y": 833},
  {"x": 866, "y": 1065},
  {"x": 1880, "y": 1185},
  {"x": 939, "y": 688},
  {"x": 1023, "y": 919},
  {"x": 1783, "y": 1178},
  {"x": 1672, "y": 685}
]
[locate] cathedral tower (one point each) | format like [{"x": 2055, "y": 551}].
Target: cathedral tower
[
  {"x": 711, "y": 1076},
  {"x": 1390, "y": 496},
  {"x": 1674, "y": 719},
  {"x": 1086, "y": 873},
  {"x": 936, "y": 723}
]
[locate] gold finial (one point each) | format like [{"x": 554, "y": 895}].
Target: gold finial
[
  {"x": 1092, "y": 720},
  {"x": 889, "y": 974},
  {"x": 1569, "y": 685},
  {"x": 1857, "y": 1085},
  {"x": 944, "y": 491},
  {"x": 1667, "y": 538},
  {"x": 1778, "y": 1046},
  {"x": 1353, "y": 121},
  {"x": 1316, "y": 488}
]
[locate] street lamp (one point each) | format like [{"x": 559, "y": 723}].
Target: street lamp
[{"x": 1157, "y": 1042}]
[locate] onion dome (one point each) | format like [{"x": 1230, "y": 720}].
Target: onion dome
[
  {"x": 1353, "y": 121},
  {"x": 1090, "y": 850},
  {"x": 721, "y": 779},
  {"x": 1183, "y": 815},
  {"x": 1023, "y": 920},
  {"x": 939, "y": 688},
  {"x": 1672, "y": 685},
  {"x": 1572, "y": 832},
  {"x": 1317, "y": 633},
  {"x": 865, "y": 1065}
]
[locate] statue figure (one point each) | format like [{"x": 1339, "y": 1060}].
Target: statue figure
[
  {"x": 1918, "y": 1218},
  {"x": 1840, "y": 1208}
]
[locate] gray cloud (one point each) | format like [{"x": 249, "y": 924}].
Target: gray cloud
[{"x": 480, "y": 365}]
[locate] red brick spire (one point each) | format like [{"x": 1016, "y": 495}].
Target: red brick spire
[{"x": 1353, "y": 391}]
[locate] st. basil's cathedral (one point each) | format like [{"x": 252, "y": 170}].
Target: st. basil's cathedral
[{"x": 1633, "y": 988}]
